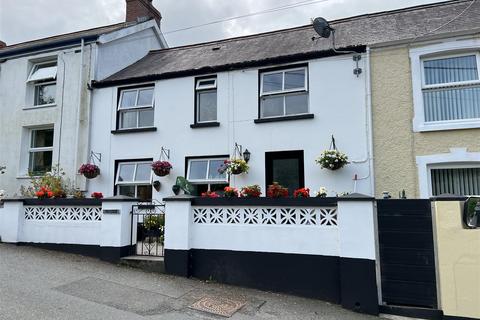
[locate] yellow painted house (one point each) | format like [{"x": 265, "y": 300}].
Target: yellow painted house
[{"x": 425, "y": 94}]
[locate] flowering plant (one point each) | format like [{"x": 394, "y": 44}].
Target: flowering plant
[
  {"x": 2, "y": 194},
  {"x": 234, "y": 166},
  {"x": 322, "y": 192},
  {"x": 97, "y": 195},
  {"x": 332, "y": 159},
  {"x": 44, "y": 193},
  {"x": 161, "y": 168},
  {"x": 89, "y": 170},
  {"x": 210, "y": 194},
  {"x": 302, "y": 193},
  {"x": 252, "y": 191},
  {"x": 230, "y": 192},
  {"x": 275, "y": 190}
]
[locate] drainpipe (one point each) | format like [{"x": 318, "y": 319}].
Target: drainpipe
[
  {"x": 370, "y": 120},
  {"x": 80, "y": 89}
]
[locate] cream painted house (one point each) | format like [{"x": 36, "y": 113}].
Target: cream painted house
[{"x": 426, "y": 107}]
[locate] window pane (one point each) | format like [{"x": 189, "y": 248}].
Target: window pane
[
  {"x": 128, "y": 99},
  {"x": 272, "y": 82},
  {"x": 272, "y": 106},
  {"x": 296, "y": 104},
  {"x": 144, "y": 171},
  {"x": 451, "y": 70},
  {"x": 295, "y": 79},
  {"x": 40, "y": 162},
  {"x": 144, "y": 192},
  {"x": 207, "y": 106},
  {"x": 145, "y": 118},
  {"x": 452, "y": 104},
  {"x": 42, "y": 138},
  {"x": 287, "y": 173},
  {"x": 145, "y": 97},
  {"x": 128, "y": 191},
  {"x": 44, "y": 72},
  {"x": 465, "y": 181},
  {"x": 126, "y": 171},
  {"x": 198, "y": 170},
  {"x": 45, "y": 94},
  {"x": 128, "y": 119},
  {"x": 213, "y": 173},
  {"x": 206, "y": 83}
]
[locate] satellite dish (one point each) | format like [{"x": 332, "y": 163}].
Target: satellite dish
[{"x": 322, "y": 27}]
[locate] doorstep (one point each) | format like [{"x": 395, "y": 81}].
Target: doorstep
[{"x": 145, "y": 263}]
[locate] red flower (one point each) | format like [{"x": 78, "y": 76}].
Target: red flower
[
  {"x": 301, "y": 193},
  {"x": 97, "y": 195},
  {"x": 277, "y": 191},
  {"x": 210, "y": 194}
]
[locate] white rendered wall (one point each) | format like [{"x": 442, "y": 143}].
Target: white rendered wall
[{"x": 337, "y": 99}]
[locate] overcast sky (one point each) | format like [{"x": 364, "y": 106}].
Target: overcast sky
[{"x": 24, "y": 20}]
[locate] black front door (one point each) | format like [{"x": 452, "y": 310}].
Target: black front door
[{"x": 286, "y": 168}]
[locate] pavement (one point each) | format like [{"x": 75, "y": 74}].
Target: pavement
[{"x": 40, "y": 284}]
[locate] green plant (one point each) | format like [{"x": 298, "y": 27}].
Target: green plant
[
  {"x": 184, "y": 185},
  {"x": 234, "y": 166},
  {"x": 252, "y": 191},
  {"x": 53, "y": 182},
  {"x": 154, "y": 222},
  {"x": 332, "y": 159}
]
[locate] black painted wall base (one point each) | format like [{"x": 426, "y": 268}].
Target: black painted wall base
[
  {"x": 349, "y": 282},
  {"x": 110, "y": 254}
]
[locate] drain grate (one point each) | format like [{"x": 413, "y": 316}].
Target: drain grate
[{"x": 221, "y": 306}]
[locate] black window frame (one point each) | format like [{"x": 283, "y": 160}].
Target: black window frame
[{"x": 276, "y": 155}]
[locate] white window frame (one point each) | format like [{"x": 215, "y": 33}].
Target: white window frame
[
  {"x": 284, "y": 92},
  {"x": 205, "y": 181},
  {"x": 130, "y": 183},
  {"x": 34, "y": 83},
  {"x": 40, "y": 84},
  {"x": 457, "y": 158},
  {"x": 199, "y": 88},
  {"x": 36, "y": 66},
  {"x": 447, "y": 49},
  {"x": 32, "y": 150},
  {"x": 136, "y": 108}
]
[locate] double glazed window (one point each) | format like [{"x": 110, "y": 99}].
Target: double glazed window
[
  {"x": 458, "y": 181},
  {"x": 203, "y": 174},
  {"x": 284, "y": 92},
  {"x": 40, "y": 151},
  {"x": 135, "y": 108},
  {"x": 206, "y": 100},
  {"x": 134, "y": 179},
  {"x": 451, "y": 88},
  {"x": 43, "y": 78}
]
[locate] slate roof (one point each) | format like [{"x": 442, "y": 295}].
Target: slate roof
[
  {"x": 296, "y": 43},
  {"x": 60, "y": 40}
]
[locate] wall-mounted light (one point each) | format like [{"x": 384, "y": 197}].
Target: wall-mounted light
[{"x": 246, "y": 155}]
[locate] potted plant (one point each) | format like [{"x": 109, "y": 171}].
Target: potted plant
[
  {"x": 302, "y": 193},
  {"x": 210, "y": 194},
  {"x": 153, "y": 226},
  {"x": 97, "y": 195},
  {"x": 276, "y": 190},
  {"x": 332, "y": 159},
  {"x": 252, "y": 191},
  {"x": 229, "y": 192},
  {"x": 89, "y": 171},
  {"x": 321, "y": 193},
  {"x": 234, "y": 166},
  {"x": 44, "y": 193},
  {"x": 161, "y": 168}
]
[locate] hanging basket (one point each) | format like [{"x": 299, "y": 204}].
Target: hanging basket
[
  {"x": 89, "y": 171},
  {"x": 161, "y": 168},
  {"x": 332, "y": 159},
  {"x": 237, "y": 171}
]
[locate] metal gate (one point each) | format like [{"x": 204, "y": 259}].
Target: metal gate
[
  {"x": 148, "y": 229},
  {"x": 407, "y": 257}
]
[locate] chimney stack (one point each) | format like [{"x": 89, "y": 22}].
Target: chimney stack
[
  {"x": 141, "y": 10},
  {"x": 2, "y": 44}
]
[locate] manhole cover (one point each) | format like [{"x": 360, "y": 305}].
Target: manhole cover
[{"x": 218, "y": 305}]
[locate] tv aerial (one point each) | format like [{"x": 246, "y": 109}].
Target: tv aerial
[{"x": 324, "y": 30}]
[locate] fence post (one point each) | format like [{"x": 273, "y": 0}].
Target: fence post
[
  {"x": 177, "y": 233},
  {"x": 11, "y": 220},
  {"x": 358, "y": 268},
  {"x": 116, "y": 228}
]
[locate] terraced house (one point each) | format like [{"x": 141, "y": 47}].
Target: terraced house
[{"x": 45, "y": 95}]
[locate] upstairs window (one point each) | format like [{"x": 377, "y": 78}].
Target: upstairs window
[
  {"x": 135, "y": 108},
  {"x": 40, "y": 151},
  {"x": 134, "y": 179},
  {"x": 451, "y": 88},
  {"x": 206, "y": 100},
  {"x": 43, "y": 78},
  {"x": 284, "y": 92}
]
